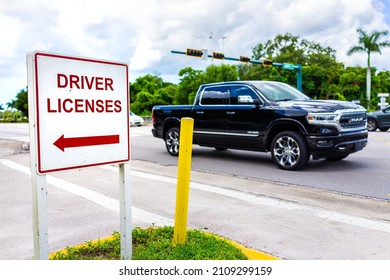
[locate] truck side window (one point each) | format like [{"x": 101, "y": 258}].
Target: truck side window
[
  {"x": 215, "y": 96},
  {"x": 242, "y": 95}
]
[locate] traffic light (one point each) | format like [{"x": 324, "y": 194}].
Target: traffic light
[
  {"x": 245, "y": 59},
  {"x": 194, "y": 52},
  {"x": 218, "y": 55},
  {"x": 267, "y": 62}
]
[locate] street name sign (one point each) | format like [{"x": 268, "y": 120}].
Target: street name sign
[
  {"x": 81, "y": 111},
  {"x": 288, "y": 66}
]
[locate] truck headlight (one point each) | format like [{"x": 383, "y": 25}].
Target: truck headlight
[{"x": 321, "y": 118}]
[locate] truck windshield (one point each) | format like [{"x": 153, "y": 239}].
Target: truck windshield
[{"x": 275, "y": 91}]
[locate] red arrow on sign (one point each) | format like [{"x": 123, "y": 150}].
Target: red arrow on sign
[{"x": 62, "y": 143}]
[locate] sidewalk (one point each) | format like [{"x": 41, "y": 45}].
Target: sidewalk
[
  {"x": 286, "y": 221},
  {"x": 289, "y": 222}
]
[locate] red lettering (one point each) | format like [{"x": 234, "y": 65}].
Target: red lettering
[
  {"x": 59, "y": 105},
  {"x": 109, "y": 83},
  {"x": 49, "y": 109},
  {"x": 84, "y": 82},
  {"x": 118, "y": 107},
  {"x": 67, "y": 109},
  {"x": 79, "y": 105},
  {"x": 109, "y": 106},
  {"x": 62, "y": 81},
  {"x": 74, "y": 80},
  {"x": 89, "y": 106},
  {"x": 89, "y": 83},
  {"x": 99, "y": 83},
  {"x": 99, "y": 106}
]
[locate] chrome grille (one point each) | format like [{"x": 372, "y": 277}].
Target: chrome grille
[{"x": 353, "y": 120}]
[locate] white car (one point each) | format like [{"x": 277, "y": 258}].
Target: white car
[{"x": 136, "y": 120}]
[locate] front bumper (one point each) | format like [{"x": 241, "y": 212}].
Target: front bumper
[{"x": 340, "y": 145}]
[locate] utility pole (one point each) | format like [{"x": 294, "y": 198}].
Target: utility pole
[
  {"x": 223, "y": 43},
  {"x": 211, "y": 41}
]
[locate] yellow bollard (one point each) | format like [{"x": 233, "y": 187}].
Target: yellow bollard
[{"x": 183, "y": 180}]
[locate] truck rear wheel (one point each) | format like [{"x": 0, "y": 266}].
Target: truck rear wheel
[
  {"x": 289, "y": 150},
  {"x": 172, "y": 140}
]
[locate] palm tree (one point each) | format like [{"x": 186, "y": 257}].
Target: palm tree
[{"x": 369, "y": 42}]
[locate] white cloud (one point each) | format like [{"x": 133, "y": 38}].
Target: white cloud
[
  {"x": 142, "y": 33},
  {"x": 144, "y": 55}
]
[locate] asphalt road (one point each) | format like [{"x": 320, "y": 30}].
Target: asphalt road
[
  {"x": 364, "y": 173},
  {"x": 287, "y": 221}
]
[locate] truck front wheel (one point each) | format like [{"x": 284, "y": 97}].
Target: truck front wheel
[
  {"x": 289, "y": 150},
  {"x": 372, "y": 125},
  {"x": 172, "y": 140}
]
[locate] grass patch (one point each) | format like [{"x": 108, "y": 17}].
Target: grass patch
[{"x": 155, "y": 243}]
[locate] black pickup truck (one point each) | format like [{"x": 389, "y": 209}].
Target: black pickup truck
[{"x": 268, "y": 117}]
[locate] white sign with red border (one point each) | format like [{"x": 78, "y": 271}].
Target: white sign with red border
[{"x": 81, "y": 112}]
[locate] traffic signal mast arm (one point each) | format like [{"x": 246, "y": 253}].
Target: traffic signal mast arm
[
  {"x": 246, "y": 59},
  {"x": 218, "y": 55}
]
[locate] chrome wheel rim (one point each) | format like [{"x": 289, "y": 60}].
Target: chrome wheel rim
[
  {"x": 370, "y": 125},
  {"x": 172, "y": 141},
  {"x": 286, "y": 151}
]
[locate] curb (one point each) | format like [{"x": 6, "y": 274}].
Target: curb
[
  {"x": 254, "y": 254},
  {"x": 250, "y": 253}
]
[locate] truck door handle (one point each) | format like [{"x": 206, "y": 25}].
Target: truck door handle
[
  {"x": 199, "y": 112},
  {"x": 230, "y": 113}
]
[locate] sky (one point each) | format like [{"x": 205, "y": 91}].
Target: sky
[{"x": 143, "y": 33}]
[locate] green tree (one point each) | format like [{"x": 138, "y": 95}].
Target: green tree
[
  {"x": 148, "y": 91},
  {"x": 352, "y": 84},
  {"x": 188, "y": 85},
  {"x": 368, "y": 43},
  {"x": 318, "y": 62},
  {"x": 192, "y": 79},
  {"x": 323, "y": 77},
  {"x": 291, "y": 49},
  {"x": 148, "y": 83},
  {"x": 383, "y": 85},
  {"x": 143, "y": 103},
  {"x": 221, "y": 73},
  {"x": 166, "y": 94},
  {"x": 21, "y": 102}
]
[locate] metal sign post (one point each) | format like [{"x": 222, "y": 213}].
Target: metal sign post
[
  {"x": 39, "y": 211},
  {"x": 38, "y": 182},
  {"x": 125, "y": 211}
]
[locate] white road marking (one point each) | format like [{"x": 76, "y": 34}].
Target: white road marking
[
  {"x": 271, "y": 202},
  {"x": 93, "y": 196},
  {"x": 145, "y": 216}
]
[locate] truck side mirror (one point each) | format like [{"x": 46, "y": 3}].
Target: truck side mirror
[{"x": 257, "y": 102}]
